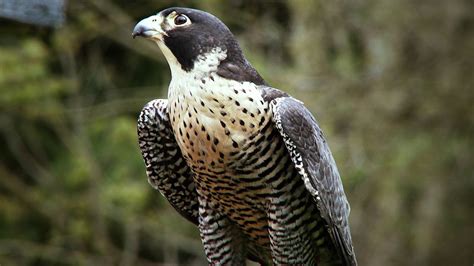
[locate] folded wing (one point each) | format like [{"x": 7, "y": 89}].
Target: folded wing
[
  {"x": 166, "y": 167},
  {"x": 311, "y": 155}
]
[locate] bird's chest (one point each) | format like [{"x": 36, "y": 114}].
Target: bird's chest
[{"x": 214, "y": 122}]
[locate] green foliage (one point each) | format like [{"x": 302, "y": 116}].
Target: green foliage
[{"x": 390, "y": 82}]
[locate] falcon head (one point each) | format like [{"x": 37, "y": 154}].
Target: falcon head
[{"x": 194, "y": 40}]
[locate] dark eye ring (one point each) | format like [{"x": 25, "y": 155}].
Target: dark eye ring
[{"x": 180, "y": 20}]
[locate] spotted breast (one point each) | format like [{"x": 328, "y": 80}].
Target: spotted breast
[{"x": 241, "y": 166}]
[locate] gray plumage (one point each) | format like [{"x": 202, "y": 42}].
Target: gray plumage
[
  {"x": 165, "y": 166},
  {"x": 315, "y": 163},
  {"x": 245, "y": 162}
]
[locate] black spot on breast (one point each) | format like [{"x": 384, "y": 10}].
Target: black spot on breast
[
  {"x": 242, "y": 123},
  {"x": 236, "y": 91},
  {"x": 223, "y": 124},
  {"x": 216, "y": 141},
  {"x": 235, "y": 144},
  {"x": 223, "y": 113},
  {"x": 212, "y": 78},
  {"x": 221, "y": 155},
  {"x": 203, "y": 81},
  {"x": 208, "y": 137},
  {"x": 202, "y": 103},
  {"x": 203, "y": 128},
  {"x": 245, "y": 110},
  {"x": 237, "y": 103},
  {"x": 251, "y": 99},
  {"x": 180, "y": 132}
]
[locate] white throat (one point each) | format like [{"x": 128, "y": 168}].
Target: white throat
[{"x": 204, "y": 64}]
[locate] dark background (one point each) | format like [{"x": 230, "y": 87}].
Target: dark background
[{"x": 391, "y": 83}]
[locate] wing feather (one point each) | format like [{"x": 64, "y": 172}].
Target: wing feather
[
  {"x": 166, "y": 168},
  {"x": 313, "y": 159}
]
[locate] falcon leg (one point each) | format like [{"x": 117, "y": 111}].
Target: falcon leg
[{"x": 223, "y": 243}]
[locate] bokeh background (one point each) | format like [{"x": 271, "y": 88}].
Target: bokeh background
[{"x": 391, "y": 83}]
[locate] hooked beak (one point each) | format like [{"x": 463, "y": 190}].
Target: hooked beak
[{"x": 149, "y": 27}]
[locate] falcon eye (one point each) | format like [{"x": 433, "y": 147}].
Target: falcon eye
[{"x": 180, "y": 20}]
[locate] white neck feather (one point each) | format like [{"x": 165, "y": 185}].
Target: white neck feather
[{"x": 203, "y": 66}]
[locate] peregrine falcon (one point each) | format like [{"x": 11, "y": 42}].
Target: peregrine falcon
[{"x": 245, "y": 162}]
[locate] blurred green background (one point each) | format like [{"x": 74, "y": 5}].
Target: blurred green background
[{"x": 391, "y": 83}]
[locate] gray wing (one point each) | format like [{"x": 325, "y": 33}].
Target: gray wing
[
  {"x": 311, "y": 155},
  {"x": 166, "y": 167}
]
